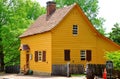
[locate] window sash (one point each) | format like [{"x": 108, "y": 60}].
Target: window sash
[
  {"x": 86, "y": 55},
  {"x": 40, "y": 56},
  {"x": 83, "y": 55},
  {"x": 75, "y": 29}
]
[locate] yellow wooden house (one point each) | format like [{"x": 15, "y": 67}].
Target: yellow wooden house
[{"x": 60, "y": 36}]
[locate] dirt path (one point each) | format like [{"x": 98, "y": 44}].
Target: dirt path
[{"x": 15, "y": 76}]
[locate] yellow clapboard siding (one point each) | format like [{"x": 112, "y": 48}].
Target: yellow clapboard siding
[
  {"x": 22, "y": 59},
  {"x": 87, "y": 39},
  {"x": 38, "y": 42},
  {"x": 60, "y": 38}
]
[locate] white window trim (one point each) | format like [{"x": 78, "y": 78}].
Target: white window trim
[
  {"x": 40, "y": 56},
  {"x": 74, "y": 29},
  {"x": 83, "y": 55}
]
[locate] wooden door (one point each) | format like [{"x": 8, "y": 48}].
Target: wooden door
[{"x": 27, "y": 60}]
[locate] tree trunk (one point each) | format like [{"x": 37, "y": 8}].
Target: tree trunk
[{"x": 1, "y": 56}]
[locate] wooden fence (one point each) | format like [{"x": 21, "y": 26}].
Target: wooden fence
[
  {"x": 76, "y": 69},
  {"x": 12, "y": 69},
  {"x": 96, "y": 69},
  {"x": 61, "y": 69}
]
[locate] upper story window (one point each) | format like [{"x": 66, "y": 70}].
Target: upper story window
[{"x": 75, "y": 30}]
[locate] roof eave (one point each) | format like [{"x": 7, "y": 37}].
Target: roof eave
[
  {"x": 23, "y": 36},
  {"x": 95, "y": 30}
]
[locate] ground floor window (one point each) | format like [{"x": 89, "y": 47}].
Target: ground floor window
[
  {"x": 85, "y": 55},
  {"x": 40, "y": 56}
]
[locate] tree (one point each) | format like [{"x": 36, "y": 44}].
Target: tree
[
  {"x": 115, "y": 34},
  {"x": 3, "y": 10},
  {"x": 90, "y": 7},
  {"x": 114, "y": 56},
  {"x": 15, "y": 17}
]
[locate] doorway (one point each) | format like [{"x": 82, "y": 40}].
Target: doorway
[{"x": 27, "y": 60}]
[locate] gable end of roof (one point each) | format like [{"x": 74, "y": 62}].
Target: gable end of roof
[{"x": 45, "y": 24}]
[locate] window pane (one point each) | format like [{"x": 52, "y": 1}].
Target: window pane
[
  {"x": 82, "y": 55},
  {"x": 75, "y": 29},
  {"x": 39, "y": 56}
]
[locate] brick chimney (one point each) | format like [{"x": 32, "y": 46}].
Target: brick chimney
[{"x": 51, "y": 7}]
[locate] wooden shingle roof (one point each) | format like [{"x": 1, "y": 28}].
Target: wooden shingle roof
[{"x": 44, "y": 23}]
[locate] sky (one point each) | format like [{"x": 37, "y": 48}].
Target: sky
[{"x": 108, "y": 9}]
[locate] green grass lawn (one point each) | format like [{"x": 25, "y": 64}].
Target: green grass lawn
[{"x": 78, "y": 75}]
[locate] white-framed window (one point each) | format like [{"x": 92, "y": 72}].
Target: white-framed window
[
  {"x": 39, "y": 56},
  {"x": 86, "y": 55},
  {"x": 75, "y": 30},
  {"x": 83, "y": 55}
]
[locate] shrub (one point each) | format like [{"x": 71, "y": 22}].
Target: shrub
[{"x": 114, "y": 56}]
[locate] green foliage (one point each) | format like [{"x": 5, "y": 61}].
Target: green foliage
[
  {"x": 90, "y": 7},
  {"x": 115, "y": 57},
  {"x": 115, "y": 34},
  {"x": 11, "y": 41},
  {"x": 15, "y": 17}
]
